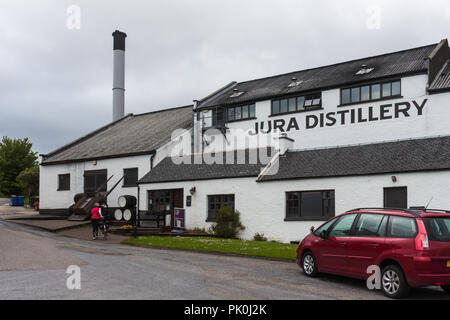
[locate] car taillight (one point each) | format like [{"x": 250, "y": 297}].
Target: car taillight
[{"x": 422, "y": 237}]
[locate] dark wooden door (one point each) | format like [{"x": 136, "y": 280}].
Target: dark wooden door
[{"x": 396, "y": 197}]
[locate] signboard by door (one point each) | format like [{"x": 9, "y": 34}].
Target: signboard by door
[{"x": 179, "y": 217}]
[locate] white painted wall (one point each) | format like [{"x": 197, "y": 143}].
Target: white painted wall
[
  {"x": 262, "y": 205},
  {"x": 433, "y": 122},
  {"x": 51, "y": 198}
]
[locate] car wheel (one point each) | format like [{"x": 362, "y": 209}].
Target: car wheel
[
  {"x": 309, "y": 265},
  {"x": 393, "y": 282},
  {"x": 446, "y": 288}
]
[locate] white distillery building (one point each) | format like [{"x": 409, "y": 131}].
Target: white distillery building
[{"x": 287, "y": 151}]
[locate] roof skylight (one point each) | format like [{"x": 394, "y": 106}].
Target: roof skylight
[
  {"x": 364, "y": 70},
  {"x": 294, "y": 82},
  {"x": 236, "y": 93}
]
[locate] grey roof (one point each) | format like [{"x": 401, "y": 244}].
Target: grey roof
[
  {"x": 442, "y": 81},
  {"x": 169, "y": 170},
  {"x": 412, "y": 61},
  {"x": 131, "y": 135},
  {"x": 381, "y": 158}
]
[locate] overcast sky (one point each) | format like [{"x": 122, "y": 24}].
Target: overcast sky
[{"x": 56, "y": 81}]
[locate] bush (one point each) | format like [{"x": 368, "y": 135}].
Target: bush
[
  {"x": 199, "y": 230},
  {"x": 228, "y": 223},
  {"x": 259, "y": 237}
]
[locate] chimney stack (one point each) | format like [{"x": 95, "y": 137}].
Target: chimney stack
[
  {"x": 285, "y": 144},
  {"x": 119, "y": 75}
]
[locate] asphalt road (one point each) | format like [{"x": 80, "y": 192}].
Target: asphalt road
[{"x": 33, "y": 266}]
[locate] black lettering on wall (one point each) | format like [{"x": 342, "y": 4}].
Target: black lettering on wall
[
  {"x": 293, "y": 125},
  {"x": 420, "y": 108},
  {"x": 308, "y": 123},
  {"x": 402, "y": 107},
  {"x": 384, "y": 110}
]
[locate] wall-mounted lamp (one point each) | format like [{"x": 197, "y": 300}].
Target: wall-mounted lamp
[
  {"x": 394, "y": 179},
  {"x": 192, "y": 191},
  {"x": 94, "y": 162}
]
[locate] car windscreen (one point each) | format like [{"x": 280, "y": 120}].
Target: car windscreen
[{"x": 438, "y": 229}]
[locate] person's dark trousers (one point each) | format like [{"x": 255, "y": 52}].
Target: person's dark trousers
[{"x": 95, "y": 226}]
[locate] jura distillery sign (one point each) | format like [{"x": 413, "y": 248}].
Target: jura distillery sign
[{"x": 344, "y": 117}]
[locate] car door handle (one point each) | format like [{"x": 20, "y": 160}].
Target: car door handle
[
  {"x": 342, "y": 243},
  {"x": 374, "y": 245}
]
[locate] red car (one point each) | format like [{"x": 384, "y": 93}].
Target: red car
[{"x": 411, "y": 248}]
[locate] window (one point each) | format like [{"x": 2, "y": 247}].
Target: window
[
  {"x": 386, "y": 89},
  {"x": 95, "y": 179},
  {"x": 63, "y": 182},
  {"x": 215, "y": 202},
  {"x": 309, "y": 205},
  {"x": 130, "y": 177},
  {"x": 355, "y": 94},
  {"x": 376, "y": 91},
  {"x": 365, "y": 93},
  {"x": 296, "y": 104},
  {"x": 218, "y": 116},
  {"x": 371, "y": 225},
  {"x": 325, "y": 227},
  {"x": 343, "y": 227},
  {"x": 402, "y": 227},
  {"x": 438, "y": 229},
  {"x": 345, "y": 96},
  {"x": 372, "y": 92},
  {"x": 241, "y": 112}
]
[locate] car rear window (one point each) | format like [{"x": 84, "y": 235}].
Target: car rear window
[
  {"x": 401, "y": 227},
  {"x": 438, "y": 229}
]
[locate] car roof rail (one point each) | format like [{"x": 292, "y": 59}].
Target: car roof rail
[
  {"x": 430, "y": 210},
  {"x": 410, "y": 211}
]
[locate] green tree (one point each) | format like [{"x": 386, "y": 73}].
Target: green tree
[
  {"x": 228, "y": 223},
  {"x": 15, "y": 156},
  {"x": 29, "y": 180}
]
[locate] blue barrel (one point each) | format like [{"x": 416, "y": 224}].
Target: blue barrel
[
  {"x": 20, "y": 201},
  {"x": 17, "y": 201}
]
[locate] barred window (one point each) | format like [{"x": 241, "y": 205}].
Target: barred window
[
  {"x": 310, "y": 205},
  {"x": 215, "y": 202}
]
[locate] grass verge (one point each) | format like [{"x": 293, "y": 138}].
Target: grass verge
[{"x": 274, "y": 250}]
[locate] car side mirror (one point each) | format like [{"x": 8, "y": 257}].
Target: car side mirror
[
  {"x": 312, "y": 229},
  {"x": 323, "y": 235}
]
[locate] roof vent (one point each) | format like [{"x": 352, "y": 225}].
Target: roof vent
[
  {"x": 236, "y": 93},
  {"x": 364, "y": 70},
  {"x": 294, "y": 82}
]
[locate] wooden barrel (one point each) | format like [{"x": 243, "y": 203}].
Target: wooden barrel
[
  {"x": 118, "y": 214},
  {"x": 77, "y": 197},
  {"x": 126, "y": 202},
  {"x": 127, "y": 214}
]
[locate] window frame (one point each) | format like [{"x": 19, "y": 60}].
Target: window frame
[
  {"x": 241, "y": 107},
  {"x": 370, "y": 85},
  {"x": 209, "y": 217},
  {"x": 130, "y": 185},
  {"x": 384, "y": 216},
  {"x": 59, "y": 182},
  {"x": 303, "y": 108},
  {"x": 299, "y": 217},
  {"x": 388, "y": 229}
]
